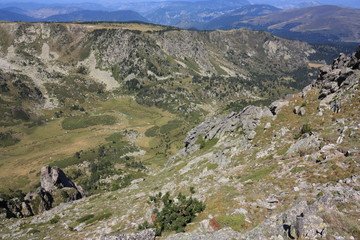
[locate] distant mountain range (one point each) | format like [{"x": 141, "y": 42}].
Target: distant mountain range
[
  {"x": 227, "y": 21},
  {"x": 6, "y": 15},
  {"x": 88, "y": 15},
  {"x": 320, "y": 24},
  {"x": 186, "y": 14},
  {"x": 80, "y": 15},
  {"x": 317, "y": 24}
]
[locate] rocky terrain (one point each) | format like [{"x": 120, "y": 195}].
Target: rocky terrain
[
  {"x": 129, "y": 129},
  {"x": 55, "y": 188}
]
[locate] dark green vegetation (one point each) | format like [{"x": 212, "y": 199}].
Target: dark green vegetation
[
  {"x": 72, "y": 123},
  {"x": 105, "y": 161},
  {"x": 171, "y": 214},
  {"x": 18, "y": 96},
  {"x": 7, "y": 139},
  {"x": 206, "y": 145},
  {"x": 76, "y": 89}
]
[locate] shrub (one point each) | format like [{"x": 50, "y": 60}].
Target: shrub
[
  {"x": 304, "y": 129},
  {"x": 82, "y": 70},
  {"x": 54, "y": 220},
  {"x": 174, "y": 215},
  {"x": 206, "y": 144},
  {"x": 6, "y": 139}
]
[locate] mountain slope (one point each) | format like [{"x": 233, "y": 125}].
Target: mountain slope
[
  {"x": 228, "y": 20},
  {"x": 185, "y": 14},
  {"x": 323, "y": 24},
  {"x": 289, "y": 170}
]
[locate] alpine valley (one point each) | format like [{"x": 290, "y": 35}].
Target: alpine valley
[{"x": 141, "y": 131}]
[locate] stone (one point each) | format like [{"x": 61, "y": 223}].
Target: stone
[
  {"x": 276, "y": 106},
  {"x": 302, "y": 111},
  {"x": 54, "y": 178},
  {"x": 267, "y": 125},
  {"x": 147, "y": 234},
  {"x": 304, "y": 146},
  {"x": 296, "y": 110},
  {"x": 239, "y": 211}
]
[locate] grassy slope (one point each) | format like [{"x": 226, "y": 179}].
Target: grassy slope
[{"x": 47, "y": 143}]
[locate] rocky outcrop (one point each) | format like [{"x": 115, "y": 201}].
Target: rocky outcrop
[
  {"x": 55, "y": 188},
  {"x": 333, "y": 80},
  {"x": 147, "y": 234},
  {"x": 52, "y": 178},
  {"x": 301, "y": 221},
  {"x": 245, "y": 122}
]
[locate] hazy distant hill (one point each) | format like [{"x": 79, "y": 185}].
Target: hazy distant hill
[
  {"x": 227, "y": 21},
  {"x": 6, "y": 15},
  {"x": 185, "y": 14},
  {"x": 87, "y": 15},
  {"x": 320, "y": 24}
]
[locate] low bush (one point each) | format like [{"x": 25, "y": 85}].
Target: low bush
[
  {"x": 55, "y": 219},
  {"x": 6, "y": 139},
  {"x": 174, "y": 214}
]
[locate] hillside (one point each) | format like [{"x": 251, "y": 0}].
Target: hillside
[
  {"x": 6, "y": 15},
  {"x": 185, "y": 14},
  {"x": 228, "y": 20},
  {"x": 319, "y": 24},
  {"x": 128, "y": 110}
]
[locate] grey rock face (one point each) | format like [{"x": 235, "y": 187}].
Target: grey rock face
[
  {"x": 340, "y": 76},
  {"x": 147, "y": 234},
  {"x": 245, "y": 121},
  {"x": 54, "y": 178}
]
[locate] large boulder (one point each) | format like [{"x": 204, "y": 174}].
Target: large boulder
[
  {"x": 52, "y": 178},
  {"x": 276, "y": 106}
]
